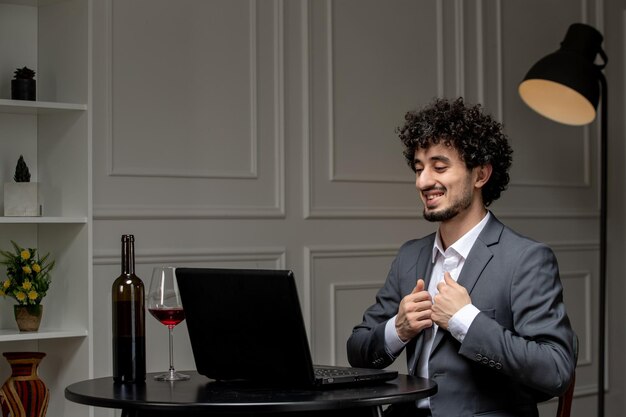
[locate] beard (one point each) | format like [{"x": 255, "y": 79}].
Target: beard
[{"x": 462, "y": 203}]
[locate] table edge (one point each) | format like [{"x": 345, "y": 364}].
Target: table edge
[{"x": 336, "y": 404}]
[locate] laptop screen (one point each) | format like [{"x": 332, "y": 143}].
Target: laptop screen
[{"x": 246, "y": 324}]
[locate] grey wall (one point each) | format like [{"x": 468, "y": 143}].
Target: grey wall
[{"x": 261, "y": 134}]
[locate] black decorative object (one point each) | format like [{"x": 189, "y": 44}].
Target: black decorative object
[
  {"x": 22, "y": 174},
  {"x": 24, "y": 86},
  {"x": 21, "y": 197}
]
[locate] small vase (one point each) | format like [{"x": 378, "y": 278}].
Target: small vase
[
  {"x": 28, "y": 317},
  {"x": 24, "y": 89},
  {"x": 21, "y": 199},
  {"x": 24, "y": 394}
]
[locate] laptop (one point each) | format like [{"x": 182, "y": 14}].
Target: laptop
[{"x": 247, "y": 325}]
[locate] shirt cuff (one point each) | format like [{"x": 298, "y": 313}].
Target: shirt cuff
[
  {"x": 461, "y": 321},
  {"x": 393, "y": 343}
]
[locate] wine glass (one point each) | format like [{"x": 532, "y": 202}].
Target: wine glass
[{"x": 165, "y": 305}]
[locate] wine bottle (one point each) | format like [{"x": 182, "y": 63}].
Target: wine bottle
[{"x": 128, "y": 302}]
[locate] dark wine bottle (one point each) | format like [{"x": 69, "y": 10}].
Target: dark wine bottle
[{"x": 129, "y": 325}]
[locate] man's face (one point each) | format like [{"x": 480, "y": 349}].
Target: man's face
[{"x": 444, "y": 182}]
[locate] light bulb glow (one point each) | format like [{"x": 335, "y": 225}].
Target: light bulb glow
[{"x": 557, "y": 102}]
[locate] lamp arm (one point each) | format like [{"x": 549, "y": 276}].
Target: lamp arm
[{"x": 606, "y": 60}]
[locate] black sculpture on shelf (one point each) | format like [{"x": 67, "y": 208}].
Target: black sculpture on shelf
[{"x": 22, "y": 173}]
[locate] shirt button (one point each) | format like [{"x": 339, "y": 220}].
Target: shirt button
[
  {"x": 492, "y": 363},
  {"x": 485, "y": 360},
  {"x": 478, "y": 357},
  {"x": 498, "y": 365}
]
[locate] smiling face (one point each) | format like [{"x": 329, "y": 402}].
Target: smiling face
[{"x": 447, "y": 187}]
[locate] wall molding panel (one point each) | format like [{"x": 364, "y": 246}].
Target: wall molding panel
[
  {"x": 324, "y": 140},
  {"x": 274, "y": 255},
  {"x": 586, "y": 339},
  {"x": 335, "y": 288},
  {"x": 317, "y": 284},
  {"x": 585, "y": 181},
  {"x": 123, "y": 212},
  {"x": 225, "y": 189},
  {"x": 132, "y": 171},
  {"x": 577, "y": 263}
]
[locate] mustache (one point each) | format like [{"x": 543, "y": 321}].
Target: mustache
[{"x": 433, "y": 188}]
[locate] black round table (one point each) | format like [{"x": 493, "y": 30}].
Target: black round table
[{"x": 203, "y": 396}]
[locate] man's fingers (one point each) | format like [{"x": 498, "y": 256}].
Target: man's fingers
[
  {"x": 419, "y": 286},
  {"x": 447, "y": 280}
]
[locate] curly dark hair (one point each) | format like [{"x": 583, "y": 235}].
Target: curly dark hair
[{"x": 477, "y": 137}]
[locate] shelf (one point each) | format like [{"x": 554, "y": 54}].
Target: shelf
[
  {"x": 10, "y": 335},
  {"x": 42, "y": 220},
  {"x": 20, "y": 2},
  {"x": 32, "y": 3},
  {"x": 37, "y": 107}
]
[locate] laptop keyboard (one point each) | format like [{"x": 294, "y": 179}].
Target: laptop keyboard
[{"x": 333, "y": 372}]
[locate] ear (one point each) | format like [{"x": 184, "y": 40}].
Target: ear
[{"x": 483, "y": 173}]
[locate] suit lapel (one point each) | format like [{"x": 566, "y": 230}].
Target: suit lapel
[
  {"x": 476, "y": 261},
  {"x": 423, "y": 270},
  {"x": 425, "y": 264}
]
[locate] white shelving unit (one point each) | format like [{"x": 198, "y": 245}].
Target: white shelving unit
[{"x": 54, "y": 136}]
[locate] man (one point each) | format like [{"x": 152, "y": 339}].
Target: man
[{"x": 478, "y": 307}]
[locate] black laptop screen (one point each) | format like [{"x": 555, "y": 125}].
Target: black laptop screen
[{"x": 246, "y": 324}]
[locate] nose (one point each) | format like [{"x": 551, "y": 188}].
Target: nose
[{"x": 423, "y": 180}]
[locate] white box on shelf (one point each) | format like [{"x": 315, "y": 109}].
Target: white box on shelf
[{"x": 21, "y": 199}]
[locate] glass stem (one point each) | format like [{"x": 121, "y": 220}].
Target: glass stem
[{"x": 171, "y": 329}]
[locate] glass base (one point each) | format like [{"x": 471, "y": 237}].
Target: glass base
[{"x": 171, "y": 375}]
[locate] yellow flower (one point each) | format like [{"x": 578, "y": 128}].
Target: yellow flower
[{"x": 27, "y": 278}]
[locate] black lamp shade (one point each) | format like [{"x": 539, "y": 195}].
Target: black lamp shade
[{"x": 564, "y": 86}]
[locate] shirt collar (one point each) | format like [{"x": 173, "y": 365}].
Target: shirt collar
[{"x": 464, "y": 244}]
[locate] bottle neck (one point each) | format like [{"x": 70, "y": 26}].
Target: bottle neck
[{"x": 128, "y": 255}]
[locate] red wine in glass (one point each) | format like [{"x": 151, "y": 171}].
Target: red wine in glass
[
  {"x": 168, "y": 316},
  {"x": 165, "y": 305}
]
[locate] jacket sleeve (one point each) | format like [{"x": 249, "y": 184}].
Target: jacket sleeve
[{"x": 539, "y": 350}]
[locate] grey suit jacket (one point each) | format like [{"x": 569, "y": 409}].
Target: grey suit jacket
[{"x": 519, "y": 350}]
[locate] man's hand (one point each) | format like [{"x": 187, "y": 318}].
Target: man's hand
[
  {"x": 414, "y": 313},
  {"x": 451, "y": 298}
]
